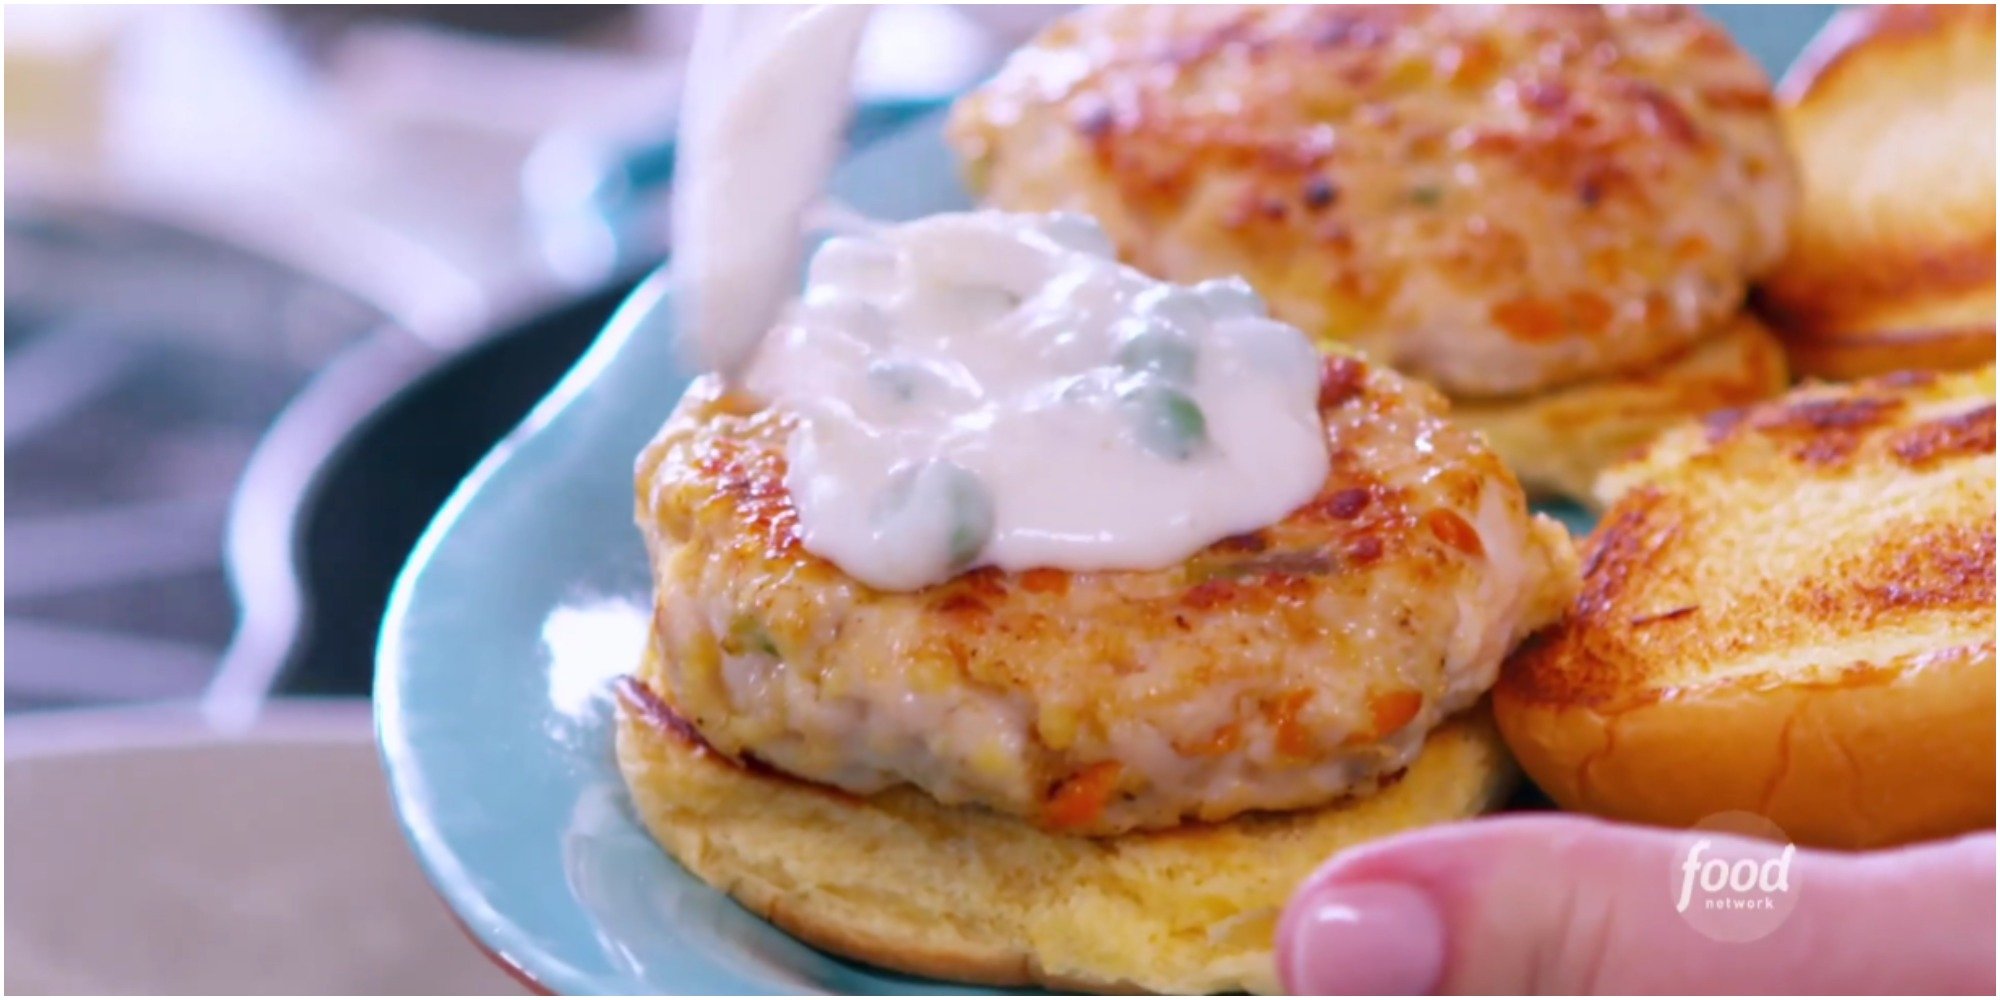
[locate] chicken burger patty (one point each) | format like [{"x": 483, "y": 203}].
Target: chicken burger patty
[
  {"x": 1496, "y": 199},
  {"x": 1280, "y": 669}
]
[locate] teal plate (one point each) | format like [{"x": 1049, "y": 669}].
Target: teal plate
[{"x": 528, "y": 595}]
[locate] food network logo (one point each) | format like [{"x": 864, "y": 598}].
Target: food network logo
[
  {"x": 1750, "y": 885},
  {"x": 1733, "y": 878}
]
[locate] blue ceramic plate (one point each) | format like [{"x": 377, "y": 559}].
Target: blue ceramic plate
[{"x": 528, "y": 595}]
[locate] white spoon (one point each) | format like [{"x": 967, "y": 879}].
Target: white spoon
[{"x": 762, "y": 119}]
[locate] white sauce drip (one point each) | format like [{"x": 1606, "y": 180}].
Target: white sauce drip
[{"x": 996, "y": 389}]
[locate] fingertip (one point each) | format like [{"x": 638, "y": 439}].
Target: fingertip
[
  {"x": 1388, "y": 916},
  {"x": 1360, "y": 939}
]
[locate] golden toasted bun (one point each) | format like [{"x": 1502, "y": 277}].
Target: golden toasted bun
[
  {"x": 964, "y": 894},
  {"x": 1891, "y": 115},
  {"x": 1558, "y": 441},
  {"x": 1788, "y": 611}
]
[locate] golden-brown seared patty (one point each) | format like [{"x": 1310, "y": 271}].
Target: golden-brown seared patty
[
  {"x": 1559, "y": 440},
  {"x": 898, "y": 880},
  {"x": 1279, "y": 669},
  {"x": 1786, "y": 610},
  {"x": 1495, "y": 199}
]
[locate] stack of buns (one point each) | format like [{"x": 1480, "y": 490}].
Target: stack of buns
[{"x": 1891, "y": 114}]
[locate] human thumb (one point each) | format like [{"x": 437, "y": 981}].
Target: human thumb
[{"x": 1568, "y": 904}]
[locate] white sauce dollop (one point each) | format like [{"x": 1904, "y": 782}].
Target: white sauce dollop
[{"x": 996, "y": 389}]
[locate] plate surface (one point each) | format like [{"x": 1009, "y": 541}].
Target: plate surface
[{"x": 528, "y": 595}]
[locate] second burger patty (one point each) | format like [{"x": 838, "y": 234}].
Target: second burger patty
[
  {"x": 1498, "y": 199},
  {"x": 1282, "y": 669}
]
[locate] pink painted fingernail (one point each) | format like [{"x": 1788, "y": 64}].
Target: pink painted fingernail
[{"x": 1358, "y": 939}]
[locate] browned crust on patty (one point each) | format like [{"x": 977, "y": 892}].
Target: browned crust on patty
[
  {"x": 1576, "y": 191},
  {"x": 1317, "y": 642},
  {"x": 1354, "y": 519}
]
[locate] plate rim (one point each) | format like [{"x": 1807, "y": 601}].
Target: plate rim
[{"x": 499, "y": 937}]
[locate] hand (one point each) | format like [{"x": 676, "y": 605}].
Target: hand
[{"x": 1568, "y": 904}]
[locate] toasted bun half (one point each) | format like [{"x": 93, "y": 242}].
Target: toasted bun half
[
  {"x": 902, "y": 882},
  {"x": 1557, "y": 441},
  {"x": 1891, "y": 115},
  {"x": 1788, "y": 610}
]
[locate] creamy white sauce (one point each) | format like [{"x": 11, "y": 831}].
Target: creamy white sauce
[
  {"x": 996, "y": 389},
  {"x": 974, "y": 389}
]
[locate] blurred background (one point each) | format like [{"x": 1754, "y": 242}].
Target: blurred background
[{"x": 277, "y": 278}]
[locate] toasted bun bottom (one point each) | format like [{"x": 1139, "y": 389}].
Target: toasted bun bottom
[
  {"x": 1896, "y": 343},
  {"x": 1559, "y": 440},
  {"x": 1868, "y": 756},
  {"x": 902, "y": 882}
]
